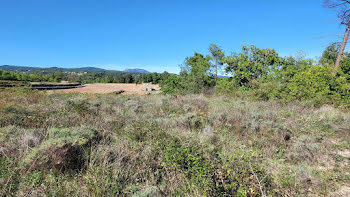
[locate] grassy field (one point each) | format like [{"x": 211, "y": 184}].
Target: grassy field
[
  {"x": 71, "y": 144},
  {"x": 7, "y": 82}
]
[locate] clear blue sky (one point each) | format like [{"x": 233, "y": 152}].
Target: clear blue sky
[{"x": 155, "y": 35}]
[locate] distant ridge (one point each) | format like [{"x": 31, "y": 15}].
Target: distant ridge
[
  {"x": 14, "y": 68},
  {"x": 91, "y": 69},
  {"x": 39, "y": 69},
  {"x": 54, "y": 69},
  {"x": 136, "y": 70}
]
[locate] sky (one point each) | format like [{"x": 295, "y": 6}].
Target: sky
[{"x": 156, "y": 35}]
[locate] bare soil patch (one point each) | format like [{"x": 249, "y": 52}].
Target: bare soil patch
[
  {"x": 344, "y": 191},
  {"x": 106, "y": 88}
]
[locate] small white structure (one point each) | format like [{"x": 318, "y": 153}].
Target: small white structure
[{"x": 147, "y": 87}]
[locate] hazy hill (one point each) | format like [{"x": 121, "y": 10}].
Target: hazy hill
[
  {"x": 28, "y": 69},
  {"x": 52, "y": 69},
  {"x": 136, "y": 70}
]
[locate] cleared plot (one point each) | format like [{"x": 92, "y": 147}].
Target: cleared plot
[{"x": 105, "y": 88}]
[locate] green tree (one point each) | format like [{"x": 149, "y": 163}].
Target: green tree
[
  {"x": 345, "y": 66},
  {"x": 129, "y": 78},
  {"x": 252, "y": 63},
  {"x": 216, "y": 55},
  {"x": 343, "y": 8},
  {"x": 155, "y": 78},
  {"x": 329, "y": 55},
  {"x": 146, "y": 78},
  {"x": 290, "y": 66},
  {"x": 165, "y": 75},
  {"x": 172, "y": 85},
  {"x": 195, "y": 72},
  {"x": 194, "y": 76}
]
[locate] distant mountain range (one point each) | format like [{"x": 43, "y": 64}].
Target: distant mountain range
[
  {"x": 54, "y": 69},
  {"x": 90, "y": 69},
  {"x": 136, "y": 70}
]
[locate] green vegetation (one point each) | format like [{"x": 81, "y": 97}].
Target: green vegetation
[
  {"x": 271, "y": 126},
  {"x": 82, "y": 77},
  {"x": 165, "y": 145},
  {"x": 262, "y": 74},
  {"x": 276, "y": 127}
]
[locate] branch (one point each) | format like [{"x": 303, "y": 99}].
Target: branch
[
  {"x": 260, "y": 186},
  {"x": 327, "y": 4}
]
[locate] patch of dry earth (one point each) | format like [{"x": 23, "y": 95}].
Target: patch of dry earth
[{"x": 106, "y": 88}]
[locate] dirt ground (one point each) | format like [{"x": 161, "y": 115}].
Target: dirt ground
[{"x": 105, "y": 88}]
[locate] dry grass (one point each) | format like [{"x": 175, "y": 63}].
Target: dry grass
[{"x": 158, "y": 145}]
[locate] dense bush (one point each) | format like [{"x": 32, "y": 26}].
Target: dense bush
[
  {"x": 315, "y": 83},
  {"x": 172, "y": 85},
  {"x": 225, "y": 86}
]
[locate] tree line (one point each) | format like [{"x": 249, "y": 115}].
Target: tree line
[
  {"x": 84, "y": 77},
  {"x": 263, "y": 74}
]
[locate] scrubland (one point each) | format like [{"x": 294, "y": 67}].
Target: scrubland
[{"x": 71, "y": 144}]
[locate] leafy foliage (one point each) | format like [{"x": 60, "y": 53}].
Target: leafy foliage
[
  {"x": 330, "y": 54},
  {"x": 252, "y": 63},
  {"x": 264, "y": 75},
  {"x": 194, "y": 77}
]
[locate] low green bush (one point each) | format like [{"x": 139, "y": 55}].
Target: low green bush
[
  {"x": 222, "y": 175},
  {"x": 9, "y": 176},
  {"x": 225, "y": 86},
  {"x": 189, "y": 161},
  {"x": 316, "y": 84},
  {"x": 172, "y": 85}
]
